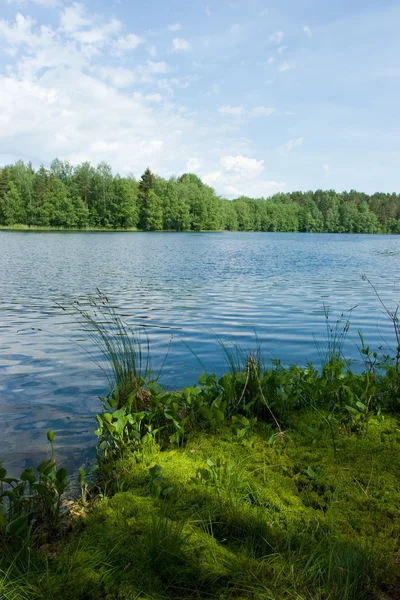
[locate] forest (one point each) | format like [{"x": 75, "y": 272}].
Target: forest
[{"x": 85, "y": 196}]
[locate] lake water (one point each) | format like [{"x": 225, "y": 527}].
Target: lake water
[{"x": 187, "y": 289}]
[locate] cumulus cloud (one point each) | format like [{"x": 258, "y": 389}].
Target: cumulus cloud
[
  {"x": 75, "y": 85},
  {"x": 129, "y": 42},
  {"x": 168, "y": 85},
  {"x": 58, "y": 90},
  {"x": 235, "y": 111},
  {"x": 243, "y": 166},
  {"x": 307, "y": 30},
  {"x": 118, "y": 77},
  {"x": 74, "y": 17},
  {"x": 180, "y": 45},
  {"x": 240, "y": 175},
  {"x": 277, "y": 37},
  {"x": 295, "y": 143}
]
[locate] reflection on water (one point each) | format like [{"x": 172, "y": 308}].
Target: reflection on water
[{"x": 186, "y": 289}]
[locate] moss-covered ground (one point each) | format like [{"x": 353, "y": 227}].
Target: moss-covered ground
[{"x": 225, "y": 517}]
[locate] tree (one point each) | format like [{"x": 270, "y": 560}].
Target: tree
[
  {"x": 5, "y": 181},
  {"x": 65, "y": 196},
  {"x": 244, "y": 217},
  {"x": 176, "y": 216},
  {"x": 153, "y": 215},
  {"x": 146, "y": 185},
  {"x": 83, "y": 177},
  {"x": 11, "y": 209},
  {"x": 125, "y": 209}
]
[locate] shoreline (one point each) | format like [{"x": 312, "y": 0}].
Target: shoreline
[
  {"x": 267, "y": 479},
  {"x": 39, "y": 229}
]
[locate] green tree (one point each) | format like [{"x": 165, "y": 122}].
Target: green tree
[
  {"x": 146, "y": 185},
  {"x": 125, "y": 208},
  {"x": 11, "y": 209},
  {"x": 153, "y": 215},
  {"x": 244, "y": 216}
]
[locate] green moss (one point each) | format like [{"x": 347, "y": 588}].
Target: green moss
[{"x": 284, "y": 521}]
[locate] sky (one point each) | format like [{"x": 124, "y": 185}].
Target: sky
[{"x": 254, "y": 96}]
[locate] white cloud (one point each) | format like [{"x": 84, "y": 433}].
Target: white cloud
[
  {"x": 236, "y": 28},
  {"x": 208, "y": 11},
  {"x": 74, "y": 17},
  {"x": 58, "y": 90},
  {"x": 277, "y": 37},
  {"x": 180, "y": 45},
  {"x": 72, "y": 85},
  {"x": 168, "y": 85},
  {"x": 240, "y": 175},
  {"x": 295, "y": 143},
  {"x": 174, "y": 27},
  {"x": 193, "y": 164},
  {"x": 326, "y": 168},
  {"x": 149, "y": 97},
  {"x": 117, "y": 77},
  {"x": 98, "y": 35},
  {"x": 20, "y": 32},
  {"x": 154, "y": 97},
  {"x": 287, "y": 66},
  {"x": 145, "y": 73},
  {"x": 104, "y": 147},
  {"x": 245, "y": 167},
  {"x": 281, "y": 49},
  {"x": 271, "y": 60},
  {"x": 263, "y": 111},
  {"x": 120, "y": 77},
  {"x": 307, "y": 30},
  {"x": 129, "y": 42},
  {"x": 235, "y": 111}
]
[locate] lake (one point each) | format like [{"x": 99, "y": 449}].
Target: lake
[{"x": 188, "y": 290}]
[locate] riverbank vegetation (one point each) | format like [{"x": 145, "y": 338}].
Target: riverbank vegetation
[
  {"x": 82, "y": 197},
  {"x": 270, "y": 482}
]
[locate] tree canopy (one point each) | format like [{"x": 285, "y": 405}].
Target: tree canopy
[{"x": 84, "y": 196}]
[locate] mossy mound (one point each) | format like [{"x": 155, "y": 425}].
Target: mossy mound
[{"x": 231, "y": 518}]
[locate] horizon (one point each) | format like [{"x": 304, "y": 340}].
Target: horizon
[{"x": 253, "y": 99}]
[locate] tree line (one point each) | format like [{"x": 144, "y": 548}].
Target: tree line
[{"x": 84, "y": 196}]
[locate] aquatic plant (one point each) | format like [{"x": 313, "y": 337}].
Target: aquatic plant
[{"x": 33, "y": 500}]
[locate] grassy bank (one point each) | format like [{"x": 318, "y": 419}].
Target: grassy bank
[
  {"x": 270, "y": 482},
  {"x": 71, "y": 229}
]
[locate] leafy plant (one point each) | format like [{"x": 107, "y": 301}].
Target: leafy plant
[
  {"x": 157, "y": 482},
  {"x": 33, "y": 500}
]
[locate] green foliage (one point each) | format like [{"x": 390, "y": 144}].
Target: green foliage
[
  {"x": 33, "y": 500},
  {"x": 77, "y": 197},
  {"x": 269, "y": 482}
]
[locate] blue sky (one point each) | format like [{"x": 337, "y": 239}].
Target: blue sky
[{"x": 254, "y": 96}]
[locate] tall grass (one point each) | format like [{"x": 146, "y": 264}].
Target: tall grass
[{"x": 124, "y": 352}]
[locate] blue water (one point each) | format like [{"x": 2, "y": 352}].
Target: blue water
[{"x": 187, "y": 289}]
